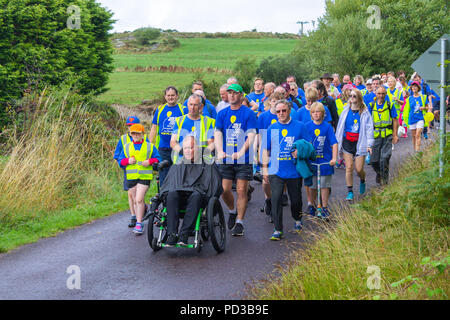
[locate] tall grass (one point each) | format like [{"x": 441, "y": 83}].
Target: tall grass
[
  {"x": 402, "y": 230},
  {"x": 58, "y": 154}
]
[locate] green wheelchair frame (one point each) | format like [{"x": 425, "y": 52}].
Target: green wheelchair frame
[{"x": 210, "y": 224}]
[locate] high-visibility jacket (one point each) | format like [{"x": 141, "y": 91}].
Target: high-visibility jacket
[
  {"x": 206, "y": 124},
  {"x": 382, "y": 121},
  {"x": 364, "y": 91},
  {"x": 138, "y": 171},
  {"x": 397, "y": 93},
  {"x": 340, "y": 106},
  {"x": 406, "y": 110},
  {"x": 158, "y": 112}
]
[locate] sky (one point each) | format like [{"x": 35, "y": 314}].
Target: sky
[{"x": 215, "y": 16}]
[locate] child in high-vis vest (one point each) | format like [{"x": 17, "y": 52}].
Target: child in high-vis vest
[{"x": 137, "y": 158}]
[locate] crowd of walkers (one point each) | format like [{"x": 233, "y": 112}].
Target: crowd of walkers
[{"x": 281, "y": 135}]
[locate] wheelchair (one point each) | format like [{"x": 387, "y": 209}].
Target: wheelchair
[{"x": 210, "y": 222}]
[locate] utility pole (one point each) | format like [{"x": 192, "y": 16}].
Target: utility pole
[{"x": 302, "y": 23}]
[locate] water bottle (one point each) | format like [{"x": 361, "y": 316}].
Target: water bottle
[{"x": 368, "y": 158}]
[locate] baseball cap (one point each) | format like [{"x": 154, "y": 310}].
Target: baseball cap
[
  {"x": 236, "y": 88},
  {"x": 132, "y": 120},
  {"x": 137, "y": 128},
  {"x": 369, "y": 81}
]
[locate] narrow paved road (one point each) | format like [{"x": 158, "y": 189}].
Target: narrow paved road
[{"x": 115, "y": 264}]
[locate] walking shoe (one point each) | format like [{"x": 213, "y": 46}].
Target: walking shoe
[
  {"x": 258, "y": 176},
  {"x": 171, "y": 240},
  {"x": 311, "y": 210},
  {"x": 349, "y": 196},
  {"x": 362, "y": 188},
  {"x": 132, "y": 223},
  {"x": 138, "y": 229},
  {"x": 183, "y": 240},
  {"x": 298, "y": 225},
  {"x": 284, "y": 199},
  {"x": 238, "y": 230},
  {"x": 277, "y": 236},
  {"x": 232, "y": 220}
]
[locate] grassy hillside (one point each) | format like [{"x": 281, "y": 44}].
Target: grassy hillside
[
  {"x": 130, "y": 87},
  {"x": 214, "y": 53}
]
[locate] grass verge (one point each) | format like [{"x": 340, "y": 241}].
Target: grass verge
[{"x": 392, "y": 245}]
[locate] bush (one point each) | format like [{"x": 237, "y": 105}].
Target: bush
[
  {"x": 245, "y": 70},
  {"x": 144, "y": 36}
]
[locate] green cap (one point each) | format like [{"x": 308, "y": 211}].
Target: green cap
[{"x": 236, "y": 88}]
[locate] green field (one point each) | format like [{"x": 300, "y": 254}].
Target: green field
[
  {"x": 214, "y": 53},
  {"x": 133, "y": 87}
]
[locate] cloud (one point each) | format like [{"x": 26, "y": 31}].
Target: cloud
[{"x": 214, "y": 16}]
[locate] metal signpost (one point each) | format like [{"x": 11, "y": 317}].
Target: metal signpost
[{"x": 431, "y": 66}]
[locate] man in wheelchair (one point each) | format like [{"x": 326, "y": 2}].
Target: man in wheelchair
[{"x": 190, "y": 183}]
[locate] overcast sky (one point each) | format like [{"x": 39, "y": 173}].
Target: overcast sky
[{"x": 215, "y": 16}]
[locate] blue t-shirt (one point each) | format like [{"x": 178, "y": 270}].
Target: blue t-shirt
[
  {"x": 280, "y": 139},
  {"x": 235, "y": 126},
  {"x": 166, "y": 123},
  {"x": 361, "y": 87},
  {"x": 252, "y": 96},
  {"x": 322, "y": 138},
  {"x": 192, "y": 128},
  {"x": 352, "y": 122},
  {"x": 304, "y": 115},
  {"x": 415, "y": 114}
]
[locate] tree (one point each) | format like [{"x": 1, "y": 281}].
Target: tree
[
  {"x": 145, "y": 36},
  {"x": 42, "y": 42}
]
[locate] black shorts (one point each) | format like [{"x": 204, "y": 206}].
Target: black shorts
[
  {"x": 236, "y": 171},
  {"x": 133, "y": 183},
  {"x": 349, "y": 146}
]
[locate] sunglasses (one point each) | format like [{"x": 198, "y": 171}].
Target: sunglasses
[
  {"x": 282, "y": 111},
  {"x": 353, "y": 96}
]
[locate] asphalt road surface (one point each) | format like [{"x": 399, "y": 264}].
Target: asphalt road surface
[{"x": 113, "y": 263}]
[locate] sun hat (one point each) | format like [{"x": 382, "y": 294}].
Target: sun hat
[
  {"x": 326, "y": 76},
  {"x": 417, "y": 84}
]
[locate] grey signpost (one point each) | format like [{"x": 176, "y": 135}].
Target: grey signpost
[{"x": 431, "y": 66}]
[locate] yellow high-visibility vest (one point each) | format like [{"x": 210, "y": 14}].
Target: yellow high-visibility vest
[
  {"x": 407, "y": 108},
  {"x": 138, "y": 171},
  {"x": 159, "y": 110},
  {"x": 382, "y": 121}
]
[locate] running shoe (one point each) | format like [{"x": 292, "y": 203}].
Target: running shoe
[
  {"x": 311, "y": 210},
  {"x": 277, "y": 236},
  {"x": 362, "y": 188},
  {"x": 325, "y": 213},
  {"x": 138, "y": 229},
  {"x": 238, "y": 230},
  {"x": 298, "y": 225},
  {"x": 132, "y": 223},
  {"x": 232, "y": 220},
  {"x": 349, "y": 196}
]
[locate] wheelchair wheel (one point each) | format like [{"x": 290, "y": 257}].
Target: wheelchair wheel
[
  {"x": 153, "y": 233},
  {"x": 216, "y": 224}
]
